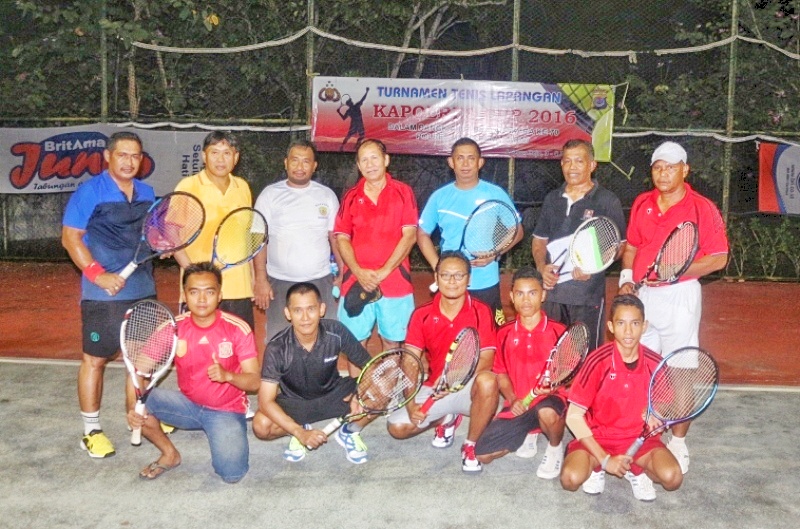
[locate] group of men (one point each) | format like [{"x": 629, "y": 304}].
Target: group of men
[{"x": 370, "y": 235}]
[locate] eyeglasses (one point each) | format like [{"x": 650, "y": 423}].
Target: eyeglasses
[{"x": 447, "y": 276}]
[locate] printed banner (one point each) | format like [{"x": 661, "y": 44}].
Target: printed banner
[
  {"x": 779, "y": 178},
  {"x": 419, "y": 116},
  {"x": 57, "y": 160}
]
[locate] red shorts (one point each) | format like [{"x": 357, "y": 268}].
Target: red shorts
[{"x": 617, "y": 446}]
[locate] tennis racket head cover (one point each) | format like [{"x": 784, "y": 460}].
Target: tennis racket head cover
[
  {"x": 148, "y": 338},
  {"x": 239, "y": 237},
  {"x": 173, "y": 222},
  {"x": 677, "y": 253},
  {"x": 461, "y": 360},
  {"x": 490, "y": 229},
  {"x": 357, "y": 298},
  {"x": 389, "y": 381},
  {"x": 570, "y": 351},
  {"x": 594, "y": 245},
  {"x": 683, "y": 385}
]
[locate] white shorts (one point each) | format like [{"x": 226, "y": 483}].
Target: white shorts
[
  {"x": 459, "y": 402},
  {"x": 673, "y": 316}
]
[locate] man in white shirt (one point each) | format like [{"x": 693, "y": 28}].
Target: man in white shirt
[{"x": 300, "y": 214}]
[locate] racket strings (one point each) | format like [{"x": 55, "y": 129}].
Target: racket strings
[
  {"x": 462, "y": 363},
  {"x": 240, "y": 235},
  {"x": 677, "y": 251},
  {"x": 490, "y": 229},
  {"x": 683, "y": 386},
  {"x": 174, "y": 222},
  {"x": 149, "y": 337},
  {"x": 595, "y": 246},
  {"x": 569, "y": 353},
  {"x": 388, "y": 383}
]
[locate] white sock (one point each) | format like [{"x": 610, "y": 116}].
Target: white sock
[
  {"x": 551, "y": 448},
  {"x": 677, "y": 441},
  {"x": 91, "y": 421}
]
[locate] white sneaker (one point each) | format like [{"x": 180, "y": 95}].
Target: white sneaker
[
  {"x": 446, "y": 431},
  {"x": 596, "y": 483},
  {"x": 249, "y": 412},
  {"x": 681, "y": 453},
  {"x": 642, "y": 486},
  {"x": 528, "y": 448},
  {"x": 550, "y": 467}
]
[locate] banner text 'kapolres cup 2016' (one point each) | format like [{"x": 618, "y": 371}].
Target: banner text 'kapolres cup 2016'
[{"x": 418, "y": 116}]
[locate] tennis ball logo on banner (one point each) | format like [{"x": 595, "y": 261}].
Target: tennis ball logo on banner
[{"x": 60, "y": 160}]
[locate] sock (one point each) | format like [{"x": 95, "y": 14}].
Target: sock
[
  {"x": 551, "y": 448},
  {"x": 677, "y": 441},
  {"x": 91, "y": 421},
  {"x": 467, "y": 442}
]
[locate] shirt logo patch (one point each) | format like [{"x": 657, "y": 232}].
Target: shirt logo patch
[
  {"x": 331, "y": 359},
  {"x": 323, "y": 210},
  {"x": 203, "y": 341},
  {"x": 225, "y": 350},
  {"x": 588, "y": 214}
]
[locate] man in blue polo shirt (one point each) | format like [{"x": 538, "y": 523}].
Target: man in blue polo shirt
[{"x": 101, "y": 229}]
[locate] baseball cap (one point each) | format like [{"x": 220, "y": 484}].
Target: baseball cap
[{"x": 670, "y": 152}]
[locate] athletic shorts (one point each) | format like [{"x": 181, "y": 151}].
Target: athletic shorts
[
  {"x": 673, "y": 316},
  {"x": 101, "y": 321},
  {"x": 276, "y": 319},
  {"x": 333, "y": 404},
  {"x": 491, "y": 296},
  {"x": 241, "y": 308},
  {"x": 594, "y": 316},
  {"x": 458, "y": 403},
  {"x": 391, "y": 315},
  {"x": 509, "y": 433},
  {"x": 617, "y": 446}
]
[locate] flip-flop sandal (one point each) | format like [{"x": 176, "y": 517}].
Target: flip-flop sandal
[{"x": 148, "y": 472}]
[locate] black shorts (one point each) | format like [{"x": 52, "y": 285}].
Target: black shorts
[
  {"x": 509, "y": 434},
  {"x": 306, "y": 411},
  {"x": 491, "y": 296},
  {"x": 101, "y": 321}
]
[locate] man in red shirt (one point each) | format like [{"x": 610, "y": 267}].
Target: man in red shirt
[
  {"x": 523, "y": 347},
  {"x": 375, "y": 230},
  {"x": 432, "y": 329},
  {"x": 673, "y": 311},
  {"x": 607, "y": 403},
  {"x": 216, "y": 363}
]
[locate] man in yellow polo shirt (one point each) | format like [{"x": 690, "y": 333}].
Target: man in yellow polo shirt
[{"x": 221, "y": 192}]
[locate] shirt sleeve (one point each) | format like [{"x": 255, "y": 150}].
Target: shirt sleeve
[
  {"x": 272, "y": 370},
  {"x": 616, "y": 214},
  {"x": 79, "y": 209},
  {"x": 429, "y": 219},
  {"x": 486, "y": 328},
  {"x": 713, "y": 236},
  {"x": 352, "y": 348},
  {"x": 344, "y": 221},
  {"x": 415, "y": 336},
  {"x": 410, "y": 211},
  {"x": 499, "y": 367},
  {"x": 334, "y": 206},
  {"x": 245, "y": 347},
  {"x": 543, "y": 228}
]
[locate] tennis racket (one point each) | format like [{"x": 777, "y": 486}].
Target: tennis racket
[
  {"x": 148, "y": 339},
  {"x": 594, "y": 245},
  {"x": 171, "y": 223},
  {"x": 674, "y": 257},
  {"x": 239, "y": 237},
  {"x": 681, "y": 387},
  {"x": 489, "y": 229},
  {"x": 386, "y": 383},
  {"x": 459, "y": 365},
  {"x": 564, "y": 361}
]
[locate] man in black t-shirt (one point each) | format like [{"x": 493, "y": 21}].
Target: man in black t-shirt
[
  {"x": 300, "y": 381},
  {"x": 574, "y": 295}
]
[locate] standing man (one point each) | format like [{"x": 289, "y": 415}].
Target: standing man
[
  {"x": 300, "y": 214},
  {"x": 375, "y": 230},
  {"x": 673, "y": 311},
  {"x": 216, "y": 362},
  {"x": 220, "y": 193},
  {"x": 101, "y": 229},
  {"x": 448, "y": 209},
  {"x": 574, "y": 296},
  {"x": 432, "y": 329}
]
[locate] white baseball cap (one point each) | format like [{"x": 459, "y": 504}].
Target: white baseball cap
[{"x": 670, "y": 152}]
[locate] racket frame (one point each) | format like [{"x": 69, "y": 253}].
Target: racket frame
[
  {"x": 250, "y": 257},
  {"x": 572, "y": 250},
  {"x": 441, "y": 384},
  {"x": 677, "y": 275},
  {"x": 498, "y": 249},
  {"x": 141, "y": 395},
  {"x": 547, "y": 370}
]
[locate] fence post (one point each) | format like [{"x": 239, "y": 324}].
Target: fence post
[
  {"x": 103, "y": 66},
  {"x": 312, "y": 21},
  {"x": 728, "y": 149},
  {"x": 514, "y": 78}
]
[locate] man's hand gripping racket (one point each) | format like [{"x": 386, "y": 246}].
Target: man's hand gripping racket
[
  {"x": 681, "y": 387},
  {"x": 459, "y": 366},
  {"x": 564, "y": 362},
  {"x": 148, "y": 338},
  {"x": 173, "y": 222}
]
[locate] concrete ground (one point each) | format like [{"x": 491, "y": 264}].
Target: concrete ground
[{"x": 745, "y": 473}]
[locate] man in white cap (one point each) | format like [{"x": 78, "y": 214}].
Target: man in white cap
[{"x": 673, "y": 311}]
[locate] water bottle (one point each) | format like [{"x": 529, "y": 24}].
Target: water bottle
[{"x": 335, "y": 272}]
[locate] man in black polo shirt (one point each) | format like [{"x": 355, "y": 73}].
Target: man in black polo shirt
[
  {"x": 300, "y": 381},
  {"x": 574, "y": 295}
]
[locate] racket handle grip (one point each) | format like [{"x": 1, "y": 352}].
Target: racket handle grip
[
  {"x": 332, "y": 426},
  {"x": 426, "y": 406},
  {"x": 136, "y": 433},
  {"x": 528, "y": 399},
  {"x": 637, "y": 444},
  {"x": 434, "y": 288},
  {"x": 128, "y": 270}
]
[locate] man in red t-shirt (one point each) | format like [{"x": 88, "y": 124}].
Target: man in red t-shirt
[
  {"x": 375, "y": 230},
  {"x": 523, "y": 347},
  {"x": 216, "y": 363},
  {"x": 608, "y": 400},
  {"x": 673, "y": 311},
  {"x": 432, "y": 329}
]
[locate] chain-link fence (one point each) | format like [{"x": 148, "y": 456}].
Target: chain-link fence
[{"x": 718, "y": 75}]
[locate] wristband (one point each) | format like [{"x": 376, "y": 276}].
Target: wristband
[
  {"x": 604, "y": 462},
  {"x": 625, "y": 276},
  {"x": 93, "y": 271}
]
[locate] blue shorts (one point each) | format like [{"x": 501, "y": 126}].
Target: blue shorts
[{"x": 391, "y": 315}]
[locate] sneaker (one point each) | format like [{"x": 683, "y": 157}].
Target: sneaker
[
  {"x": 642, "y": 486},
  {"x": 97, "y": 444},
  {"x": 354, "y": 447},
  {"x": 469, "y": 463},
  {"x": 295, "y": 451},
  {"x": 681, "y": 453},
  {"x": 596, "y": 483},
  {"x": 528, "y": 448},
  {"x": 167, "y": 428},
  {"x": 446, "y": 432},
  {"x": 550, "y": 467}
]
